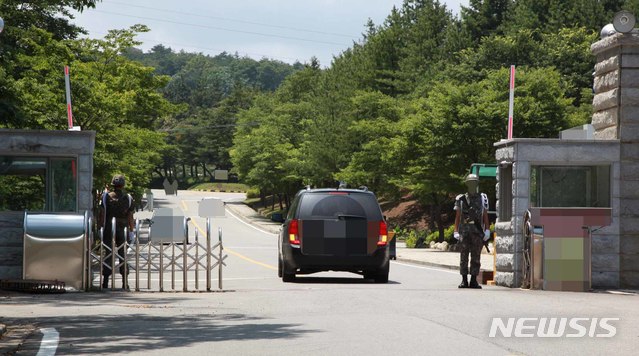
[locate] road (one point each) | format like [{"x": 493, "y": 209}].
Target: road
[{"x": 420, "y": 311}]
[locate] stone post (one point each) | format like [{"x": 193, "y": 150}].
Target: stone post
[{"x": 616, "y": 116}]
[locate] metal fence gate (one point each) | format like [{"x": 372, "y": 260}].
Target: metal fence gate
[{"x": 146, "y": 258}]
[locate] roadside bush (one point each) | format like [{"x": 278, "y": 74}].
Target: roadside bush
[
  {"x": 253, "y": 193},
  {"x": 410, "y": 239},
  {"x": 416, "y": 239},
  {"x": 400, "y": 234},
  {"x": 448, "y": 236}
]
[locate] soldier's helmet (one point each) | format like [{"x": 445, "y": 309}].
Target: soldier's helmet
[
  {"x": 472, "y": 177},
  {"x": 118, "y": 180},
  {"x": 472, "y": 182}
]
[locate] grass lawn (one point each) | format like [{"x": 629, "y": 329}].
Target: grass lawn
[{"x": 219, "y": 186}]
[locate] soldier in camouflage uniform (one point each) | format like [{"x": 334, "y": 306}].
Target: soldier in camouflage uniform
[
  {"x": 119, "y": 205},
  {"x": 471, "y": 229}
]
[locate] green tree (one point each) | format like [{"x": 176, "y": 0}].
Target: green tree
[
  {"x": 265, "y": 153},
  {"x": 483, "y": 18},
  {"x": 457, "y": 124},
  {"x": 120, "y": 99},
  {"x": 372, "y": 157},
  {"x": 551, "y": 15},
  {"x": 32, "y": 34}
]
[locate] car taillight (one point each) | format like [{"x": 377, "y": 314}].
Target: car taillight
[
  {"x": 293, "y": 232},
  {"x": 383, "y": 234}
]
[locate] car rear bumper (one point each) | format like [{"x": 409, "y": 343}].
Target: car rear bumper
[{"x": 294, "y": 259}]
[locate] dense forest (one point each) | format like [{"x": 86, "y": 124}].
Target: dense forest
[
  {"x": 420, "y": 97},
  {"x": 152, "y": 112},
  {"x": 405, "y": 110},
  {"x": 211, "y": 91}
]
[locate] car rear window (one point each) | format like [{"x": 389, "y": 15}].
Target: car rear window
[{"x": 332, "y": 205}]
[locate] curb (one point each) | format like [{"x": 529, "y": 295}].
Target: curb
[
  {"x": 426, "y": 263},
  {"x": 433, "y": 264},
  {"x": 249, "y": 220}
]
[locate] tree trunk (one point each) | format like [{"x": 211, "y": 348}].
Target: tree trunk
[
  {"x": 159, "y": 172},
  {"x": 191, "y": 170},
  {"x": 440, "y": 227},
  {"x": 436, "y": 211},
  {"x": 432, "y": 223},
  {"x": 197, "y": 174},
  {"x": 279, "y": 197},
  {"x": 183, "y": 170},
  {"x": 287, "y": 197},
  {"x": 206, "y": 171},
  {"x": 262, "y": 198},
  {"x": 272, "y": 201}
]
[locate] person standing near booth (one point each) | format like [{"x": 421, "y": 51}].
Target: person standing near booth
[
  {"x": 471, "y": 229},
  {"x": 118, "y": 204}
]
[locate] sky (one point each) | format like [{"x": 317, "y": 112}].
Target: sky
[{"x": 285, "y": 30}]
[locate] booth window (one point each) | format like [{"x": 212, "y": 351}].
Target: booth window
[
  {"x": 505, "y": 193},
  {"x": 38, "y": 184},
  {"x": 570, "y": 186}
]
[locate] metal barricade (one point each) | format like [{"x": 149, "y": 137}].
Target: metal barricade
[{"x": 152, "y": 258}]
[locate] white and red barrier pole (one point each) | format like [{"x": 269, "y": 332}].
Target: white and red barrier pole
[
  {"x": 511, "y": 103},
  {"x": 67, "y": 83}
]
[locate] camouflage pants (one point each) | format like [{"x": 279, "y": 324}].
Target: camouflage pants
[
  {"x": 119, "y": 241},
  {"x": 470, "y": 243}
]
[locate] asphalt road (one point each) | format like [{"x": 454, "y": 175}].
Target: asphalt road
[{"x": 420, "y": 311}]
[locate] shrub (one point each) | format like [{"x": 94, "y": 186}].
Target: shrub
[
  {"x": 400, "y": 234},
  {"x": 253, "y": 193},
  {"x": 411, "y": 239},
  {"x": 415, "y": 239}
]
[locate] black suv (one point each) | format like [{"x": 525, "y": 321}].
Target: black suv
[{"x": 334, "y": 229}]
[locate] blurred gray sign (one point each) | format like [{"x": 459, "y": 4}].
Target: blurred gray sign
[
  {"x": 167, "y": 226},
  {"x": 211, "y": 207},
  {"x": 170, "y": 188},
  {"x": 221, "y": 174}
]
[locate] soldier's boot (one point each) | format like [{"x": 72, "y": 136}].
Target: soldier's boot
[
  {"x": 473, "y": 283},
  {"x": 464, "y": 282}
]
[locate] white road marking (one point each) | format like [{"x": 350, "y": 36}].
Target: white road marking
[
  {"x": 49, "y": 344},
  {"x": 247, "y": 224},
  {"x": 428, "y": 268}
]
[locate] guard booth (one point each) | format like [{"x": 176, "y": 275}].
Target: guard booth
[
  {"x": 555, "y": 213},
  {"x": 589, "y": 168},
  {"x": 41, "y": 172}
]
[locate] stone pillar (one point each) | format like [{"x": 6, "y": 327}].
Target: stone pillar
[{"x": 616, "y": 116}]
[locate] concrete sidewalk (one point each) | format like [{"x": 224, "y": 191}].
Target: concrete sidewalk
[
  {"x": 422, "y": 256},
  {"x": 437, "y": 258}
]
